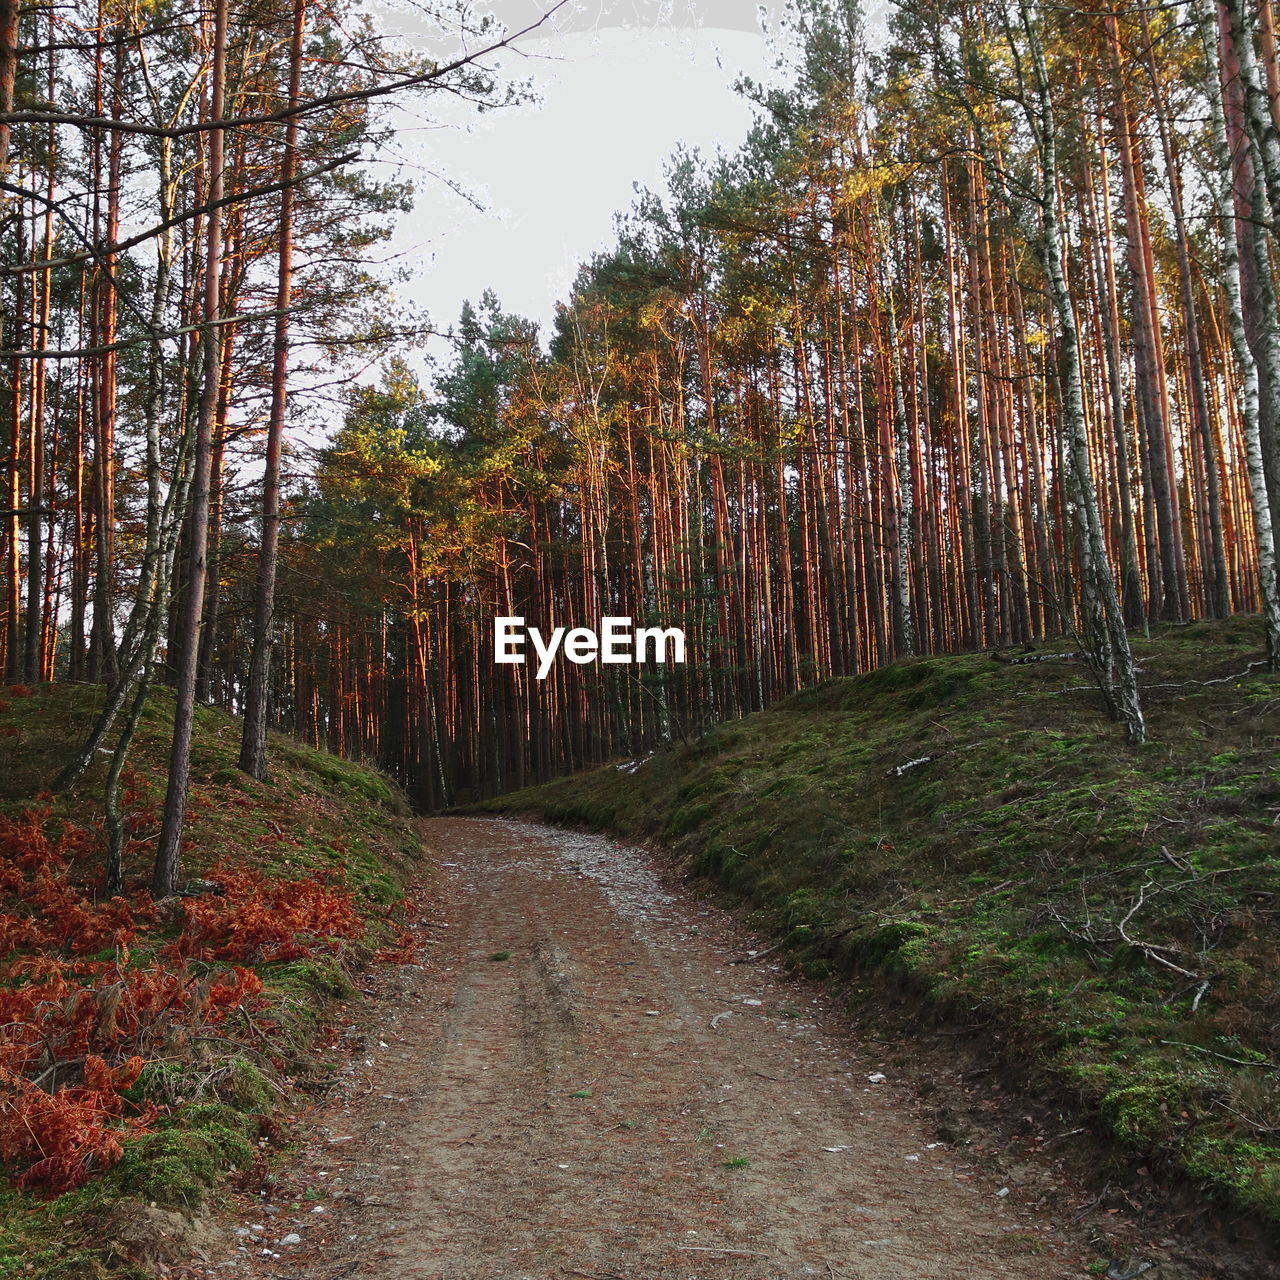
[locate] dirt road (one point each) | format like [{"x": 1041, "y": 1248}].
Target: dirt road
[{"x": 582, "y": 1081}]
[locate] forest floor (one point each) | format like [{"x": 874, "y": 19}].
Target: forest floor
[{"x": 597, "y": 1073}]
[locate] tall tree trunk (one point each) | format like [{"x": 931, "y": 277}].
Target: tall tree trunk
[
  {"x": 1148, "y": 358},
  {"x": 1263, "y": 530},
  {"x": 1217, "y": 593},
  {"x": 1260, "y": 122},
  {"x": 165, "y": 876},
  {"x": 253, "y": 743},
  {"x": 10, "y": 10},
  {"x": 1106, "y": 635},
  {"x": 9, "y": 15}
]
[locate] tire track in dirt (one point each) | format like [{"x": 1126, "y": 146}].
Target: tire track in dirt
[{"x": 618, "y": 1100}]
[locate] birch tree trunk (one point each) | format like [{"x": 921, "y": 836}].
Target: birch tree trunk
[
  {"x": 903, "y": 623},
  {"x": 1107, "y": 637},
  {"x": 1262, "y": 131},
  {"x": 1249, "y": 397}
]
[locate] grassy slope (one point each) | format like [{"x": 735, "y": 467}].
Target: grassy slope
[
  {"x": 987, "y": 888},
  {"x": 315, "y": 813}
]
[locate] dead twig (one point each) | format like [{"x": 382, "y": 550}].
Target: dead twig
[
  {"x": 710, "y": 1248},
  {"x": 53, "y": 1070},
  {"x": 1070, "y": 1133},
  {"x": 1239, "y": 675},
  {"x": 1085, "y": 1210},
  {"x": 1151, "y": 949},
  {"x": 1239, "y": 1062},
  {"x": 1027, "y": 659},
  {"x": 986, "y": 893},
  {"x": 899, "y": 769},
  {"x": 1252, "y": 1121},
  {"x": 1181, "y": 863},
  {"x": 757, "y": 955}
]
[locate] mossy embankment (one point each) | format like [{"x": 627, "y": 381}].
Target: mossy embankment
[
  {"x": 221, "y": 1074},
  {"x": 974, "y": 842}
]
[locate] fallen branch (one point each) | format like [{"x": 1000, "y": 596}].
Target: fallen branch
[
  {"x": 1151, "y": 949},
  {"x": 1001, "y": 655},
  {"x": 1238, "y": 675},
  {"x": 898, "y": 770},
  {"x": 1174, "y": 860},
  {"x": 986, "y": 893},
  {"x": 1239, "y": 1062},
  {"x": 53, "y": 1070},
  {"x": 1252, "y": 1121}
]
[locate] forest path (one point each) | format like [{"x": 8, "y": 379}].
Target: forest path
[{"x": 619, "y": 1100}]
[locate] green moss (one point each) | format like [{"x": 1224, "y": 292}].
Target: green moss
[
  {"x": 1250, "y": 1169},
  {"x": 688, "y": 818},
  {"x": 874, "y": 946},
  {"x": 1143, "y": 1116},
  {"x": 320, "y": 977},
  {"x": 341, "y": 773},
  {"x": 175, "y": 1168},
  {"x": 22, "y": 1258},
  {"x": 248, "y": 1088}
]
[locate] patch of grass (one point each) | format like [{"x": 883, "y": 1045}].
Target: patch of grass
[
  {"x": 501, "y": 955},
  {"x": 735, "y": 1162},
  {"x": 1093, "y": 901}
]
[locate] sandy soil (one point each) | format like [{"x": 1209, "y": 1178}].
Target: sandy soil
[{"x": 627, "y": 1096}]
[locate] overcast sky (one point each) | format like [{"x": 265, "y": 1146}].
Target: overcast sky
[{"x": 621, "y": 83}]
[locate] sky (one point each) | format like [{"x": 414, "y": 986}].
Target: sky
[{"x": 621, "y": 83}]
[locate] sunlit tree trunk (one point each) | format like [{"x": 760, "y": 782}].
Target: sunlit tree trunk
[{"x": 253, "y": 746}]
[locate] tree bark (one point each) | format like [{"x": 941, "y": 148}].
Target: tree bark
[
  {"x": 1249, "y": 400},
  {"x": 165, "y": 875}
]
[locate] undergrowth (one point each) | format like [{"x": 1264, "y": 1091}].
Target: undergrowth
[
  {"x": 974, "y": 845},
  {"x": 146, "y": 1049}
]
